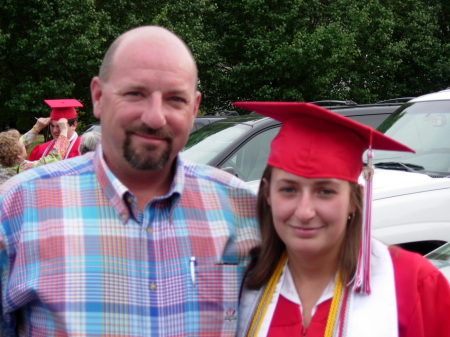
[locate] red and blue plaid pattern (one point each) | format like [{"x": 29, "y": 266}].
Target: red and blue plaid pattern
[{"x": 78, "y": 259}]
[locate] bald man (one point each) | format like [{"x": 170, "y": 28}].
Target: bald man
[{"x": 129, "y": 240}]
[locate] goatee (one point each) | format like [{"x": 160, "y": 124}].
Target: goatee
[{"x": 148, "y": 157}]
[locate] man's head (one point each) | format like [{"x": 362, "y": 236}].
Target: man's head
[
  {"x": 63, "y": 108},
  {"x": 146, "y": 98}
]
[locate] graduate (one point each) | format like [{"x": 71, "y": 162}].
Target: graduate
[
  {"x": 318, "y": 271},
  {"x": 61, "y": 108}
]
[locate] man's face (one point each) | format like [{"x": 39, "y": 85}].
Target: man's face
[
  {"x": 54, "y": 129},
  {"x": 147, "y": 106}
]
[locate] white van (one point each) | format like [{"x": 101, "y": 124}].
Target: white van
[{"x": 411, "y": 192}]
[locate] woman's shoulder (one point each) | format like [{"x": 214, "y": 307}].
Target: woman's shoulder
[
  {"x": 423, "y": 295},
  {"x": 409, "y": 264}
]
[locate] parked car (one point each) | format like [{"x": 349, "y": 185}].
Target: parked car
[
  {"x": 212, "y": 117},
  {"x": 411, "y": 192},
  {"x": 199, "y": 122},
  {"x": 240, "y": 145},
  {"x": 93, "y": 127},
  {"x": 441, "y": 259}
]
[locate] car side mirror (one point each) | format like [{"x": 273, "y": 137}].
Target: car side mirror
[{"x": 231, "y": 170}]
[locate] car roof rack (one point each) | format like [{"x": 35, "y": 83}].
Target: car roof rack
[
  {"x": 222, "y": 113},
  {"x": 335, "y": 102},
  {"x": 396, "y": 100}
]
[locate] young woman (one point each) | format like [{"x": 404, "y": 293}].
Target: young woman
[
  {"x": 317, "y": 271},
  {"x": 13, "y": 148}
]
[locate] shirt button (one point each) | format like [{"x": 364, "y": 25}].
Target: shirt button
[
  {"x": 153, "y": 286},
  {"x": 150, "y": 230}
]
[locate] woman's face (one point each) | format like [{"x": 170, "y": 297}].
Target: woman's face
[{"x": 310, "y": 215}]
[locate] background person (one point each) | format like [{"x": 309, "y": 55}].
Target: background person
[
  {"x": 61, "y": 108},
  {"x": 318, "y": 273},
  {"x": 13, "y": 151},
  {"x": 132, "y": 240},
  {"x": 89, "y": 141}
]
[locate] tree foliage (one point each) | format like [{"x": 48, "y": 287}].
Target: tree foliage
[{"x": 297, "y": 50}]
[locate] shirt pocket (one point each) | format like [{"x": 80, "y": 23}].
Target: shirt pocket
[{"x": 217, "y": 291}]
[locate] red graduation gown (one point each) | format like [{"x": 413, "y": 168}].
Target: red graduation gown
[
  {"x": 39, "y": 150},
  {"x": 423, "y": 303}
]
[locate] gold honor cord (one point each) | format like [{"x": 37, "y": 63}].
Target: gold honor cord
[
  {"x": 334, "y": 309},
  {"x": 266, "y": 297}
]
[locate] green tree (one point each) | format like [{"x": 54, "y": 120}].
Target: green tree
[
  {"x": 50, "y": 50},
  {"x": 297, "y": 50}
]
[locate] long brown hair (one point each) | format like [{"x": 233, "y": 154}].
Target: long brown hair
[{"x": 272, "y": 247}]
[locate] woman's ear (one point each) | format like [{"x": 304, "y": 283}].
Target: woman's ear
[{"x": 265, "y": 186}]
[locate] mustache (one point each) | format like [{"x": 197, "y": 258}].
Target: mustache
[{"x": 148, "y": 131}]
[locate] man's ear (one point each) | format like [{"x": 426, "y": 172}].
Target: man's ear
[
  {"x": 96, "y": 95},
  {"x": 198, "y": 99}
]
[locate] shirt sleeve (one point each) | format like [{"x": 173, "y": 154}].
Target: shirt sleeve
[
  {"x": 423, "y": 296},
  {"x": 57, "y": 153},
  {"x": 28, "y": 138}
]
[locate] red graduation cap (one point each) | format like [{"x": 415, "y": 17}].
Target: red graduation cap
[
  {"x": 314, "y": 142},
  {"x": 63, "y": 108}
]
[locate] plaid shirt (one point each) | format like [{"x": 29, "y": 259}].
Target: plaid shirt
[{"x": 77, "y": 258}]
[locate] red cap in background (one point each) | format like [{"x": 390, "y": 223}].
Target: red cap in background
[{"x": 63, "y": 108}]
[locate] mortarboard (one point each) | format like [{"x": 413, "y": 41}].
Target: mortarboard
[
  {"x": 63, "y": 108},
  {"x": 314, "y": 142}
]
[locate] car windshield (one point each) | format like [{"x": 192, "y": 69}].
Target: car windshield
[
  {"x": 424, "y": 127},
  {"x": 441, "y": 259},
  {"x": 204, "y": 144}
]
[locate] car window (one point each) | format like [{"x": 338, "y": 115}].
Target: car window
[
  {"x": 206, "y": 143},
  {"x": 249, "y": 161}
]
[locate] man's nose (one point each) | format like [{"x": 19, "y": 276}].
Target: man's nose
[{"x": 153, "y": 114}]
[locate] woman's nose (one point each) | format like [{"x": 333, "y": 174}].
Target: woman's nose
[{"x": 305, "y": 209}]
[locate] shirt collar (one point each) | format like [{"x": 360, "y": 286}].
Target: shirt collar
[
  {"x": 118, "y": 194},
  {"x": 289, "y": 291}
]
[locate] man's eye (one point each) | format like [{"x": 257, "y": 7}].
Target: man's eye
[
  {"x": 177, "y": 99},
  {"x": 133, "y": 93}
]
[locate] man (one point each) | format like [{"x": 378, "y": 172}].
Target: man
[
  {"x": 61, "y": 108},
  {"x": 129, "y": 240}
]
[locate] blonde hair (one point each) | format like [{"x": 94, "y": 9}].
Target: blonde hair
[{"x": 9, "y": 147}]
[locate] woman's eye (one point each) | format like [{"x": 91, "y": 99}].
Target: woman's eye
[
  {"x": 326, "y": 191},
  {"x": 287, "y": 190}
]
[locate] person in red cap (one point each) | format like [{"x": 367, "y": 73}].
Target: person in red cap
[
  {"x": 61, "y": 108},
  {"x": 13, "y": 151},
  {"x": 318, "y": 272},
  {"x": 130, "y": 239}
]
